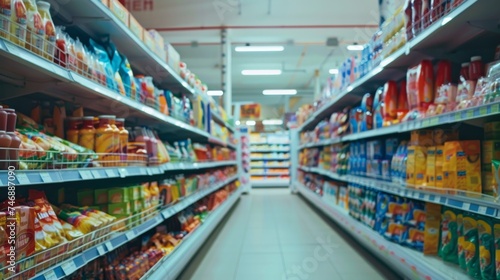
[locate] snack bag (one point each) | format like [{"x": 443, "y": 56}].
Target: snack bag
[
  {"x": 496, "y": 233},
  {"x": 431, "y": 233},
  {"x": 449, "y": 239},
  {"x": 471, "y": 246},
  {"x": 460, "y": 233},
  {"x": 486, "y": 248}
]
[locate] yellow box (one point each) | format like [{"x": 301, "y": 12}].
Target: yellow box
[
  {"x": 431, "y": 167},
  {"x": 420, "y": 165},
  {"x": 439, "y": 154},
  {"x": 410, "y": 166},
  {"x": 136, "y": 28},
  {"x": 119, "y": 11},
  {"x": 423, "y": 138},
  {"x": 490, "y": 152},
  {"x": 464, "y": 165}
]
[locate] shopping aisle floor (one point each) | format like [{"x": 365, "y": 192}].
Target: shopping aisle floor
[{"x": 273, "y": 235}]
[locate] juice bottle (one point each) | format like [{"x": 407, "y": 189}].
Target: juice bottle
[
  {"x": 50, "y": 30},
  {"x": 18, "y": 19},
  {"x": 87, "y": 134},
  {"x": 72, "y": 131},
  {"x": 104, "y": 139},
  {"x": 116, "y": 142},
  {"x": 36, "y": 30},
  {"x": 61, "y": 55},
  {"x": 123, "y": 134},
  {"x": 5, "y": 13}
]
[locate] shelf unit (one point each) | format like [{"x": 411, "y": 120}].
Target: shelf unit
[
  {"x": 270, "y": 148},
  {"x": 411, "y": 264},
  {"x": 172, "y": 265},
  {"x": 67, "y": 267}
]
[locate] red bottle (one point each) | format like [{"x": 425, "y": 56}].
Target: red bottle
[
  {"x": 390, "y": 100},
  {"x": 408, "y": 20},
  {"x": 443, "y": 74},
  {"x": 476, "y": 69},
  {"x": 464, "y": 71},
  {"x": 402, "y": 101},
  {"x": 16, "y": 141},
  {"x": 425, "y": 85}
]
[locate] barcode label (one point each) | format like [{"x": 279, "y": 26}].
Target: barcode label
[{"x": 482, "y": 210}]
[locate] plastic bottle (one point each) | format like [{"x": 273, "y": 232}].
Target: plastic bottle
[
  {"x": 61, "y": 54},
  {"x": 36, "y": 30},
  {"x": 425, "y": 85},
  {"x": 72, "y": 131},
  {"x": 390, "y": 100},
  {"x": 120, "y": 122},
  {"x": 464, "y": 70},
  {"x": 426, "y": 14},
  {"x": 50, "y": 30},
  {"x": 476, "y": 69},
  {"x": 104, "y": 139},
  {"x": 16, "y": 141},
  {"x": 142, "y": 137},
  {"x": 5, "y": 140},
  {"x": 154, "y": 144},
  {"x": 19, "y": 19},
  {"x": 402, "y": 101},
  {"x": 163, "y": 103},
  {"x": 87, "y": 134},
  {"x": 443, "y": 74},
  {"x": 437, "y": 9}
]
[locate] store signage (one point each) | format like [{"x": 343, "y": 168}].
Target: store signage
[
  {"x": 250, "y": 111},
  {"x": 139, "y": 5}
]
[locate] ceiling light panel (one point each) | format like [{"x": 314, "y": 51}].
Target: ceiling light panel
[
  {"x": 260, "y": 49},
  {"x": 270, "y": 72}
]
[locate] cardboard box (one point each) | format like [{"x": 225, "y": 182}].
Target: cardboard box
[
  {"x": 440, "y": 136},
  {"x": 420, "y": 165},
  {"x": 488, "y": 182},
  {"x": 159, "y": 43},
  {"x": 463, "y": 164},
  {"x": 119, "y": 208},
  {"x": 119, "y": 11},
  {"x": 85, "y": 197},
  {"x": 440, "y": 176},
  {"x": 173, "y": 58},
  {"x": 410, "y": 166},
  {"x": 134, "y": 193},
  {"x": 136, "y": 28},
  {"x": 101, "y": 196},
  {"x": 430, "y": 171},
  {"x": 149, "y": 41},
  {"x": 118, "y": 195}
]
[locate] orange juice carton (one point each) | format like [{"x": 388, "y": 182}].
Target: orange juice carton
[
  {"x": 423, "y": 138},
  {"x": 118, "y": 195},
  {"x": 430, "y": 171},
  {"x": 85, "y": 197},
  {"x": 420, "y": 165},
  {"x": 119, "y": 11},
  {"x": 490, "y": 152},
  {"x": 101, "y": 196},
  {"x": 464, "y": 170},
  {"x": 410, "y": 166},
  {"x": 439, "y": 154},
  {"x": 136, "y": 28},
  {"x": 122, "y": 208},
  {"x": 440, "y": 136}
]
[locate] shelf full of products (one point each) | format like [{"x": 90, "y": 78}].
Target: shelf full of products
[
  {"x": 270, "y": 159},
  {"x": 410, "y": 263}
]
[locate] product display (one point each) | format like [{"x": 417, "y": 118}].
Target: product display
[{"x": 270, "y": 159}]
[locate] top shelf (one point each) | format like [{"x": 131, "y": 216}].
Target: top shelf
[{"x": 443, "y": 37}]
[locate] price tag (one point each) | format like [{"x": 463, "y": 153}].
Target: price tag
[
  {"x": 123, "y": 172},
  {"x": 143, "y": 171},
  {"x": 482, "y": 210},
  {"x": 477, "y": 112},
  {"x": 495, "y": 108},
  {"x": 50, "y": 275},
  {"x": 46, "y": 177},
  {"x": 68, "y": 267},
  {"x": 130, "y": 235},
  {"x": 85, "y": 174},
  {"x": 457, "y": 117},
  {"x": 434, "y": 121},
  {"x": 425, "y": 123},
  {"x": 426, "y": 197},
  {"x": 149, "y": 171},
  {"x": 96, "y": 174},
  {"x": 23, "y": 179},
  {"x": 109, "y": 246},
  {"x": 470, "y": 114},
  {"x": 466, "y": 206},
  {"x": 110, "y": 173},
  {"x": 483, "y": 110},
  {"x": 101, "y": 251}
]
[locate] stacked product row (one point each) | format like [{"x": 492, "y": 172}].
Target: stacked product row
[
  {"x": 54, "y": 233},
  {"x": 457, "y": 237}
]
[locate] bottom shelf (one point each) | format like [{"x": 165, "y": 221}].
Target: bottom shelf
[
  {"x": 410, "y": 263},
  {"x": 171, "y": 266},
  {"x": 271, "y": 183}
]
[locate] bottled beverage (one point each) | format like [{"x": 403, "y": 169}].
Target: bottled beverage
[
  {"x": 36, "y": 30},
  {"x": 50, "y": 30}
]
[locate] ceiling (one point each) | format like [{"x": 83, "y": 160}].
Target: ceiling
[{"x": 301, "y": 26}]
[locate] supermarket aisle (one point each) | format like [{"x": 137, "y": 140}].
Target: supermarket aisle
[{"x": 273, "y": 235}]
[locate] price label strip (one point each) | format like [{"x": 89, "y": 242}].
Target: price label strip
[
  {"x": 85, "y": 174},
  {"x": 101, "y": 251},
  {"x": 130, "y": 235},
  {"x": 46, "y": 177},
  {"x": 96, "y": 174},
  {"x": 482, "y": 210},
  {"x": 123, "y": 172},
  {"x": 23, "y": 179},
  {"x": 109, "y": 246},
  {"x": 110, "y": 173},
  {"x": 68, "y": 267},
  {"x": 50, "y": 275}
]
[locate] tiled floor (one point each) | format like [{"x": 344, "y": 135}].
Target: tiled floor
[{"x": 273, "y": 235}]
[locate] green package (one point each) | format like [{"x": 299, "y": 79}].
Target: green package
[
  {"x": 471, "y": 246},
  {"x": 496, "y": 233},
  {"x": 460, "y": 241},
  {"x": 448, "y": 250},
  {"x": 486, "y": 248}
]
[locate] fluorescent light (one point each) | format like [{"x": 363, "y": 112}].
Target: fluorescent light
[
  {"x": 260, "y": 72},
  {"x": 250, "y": 123},
  {"x": 334, "y": 71},
  {"x": 260, "y": 49},
  {"x": 272, "y": 122},
  {"x": 215, "y": 92},
  {"x": 355, "y": 47},
  {"x": 237, "y": 122},
  {"x": 279, "y": 92}
]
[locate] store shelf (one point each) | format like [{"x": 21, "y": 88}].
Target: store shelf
[
  {"x": 321, "y": 143},
  {"x": 218, "y": 119},
  {"x": 437, "y": 40},
  {"x": 272, "y": 183},
  {"x": 470, "y": 202},
  {"x": 267, "y": 143},
  {"x": 270, "y": 174},
  {"x": 34, "y": 177},
  {"x": 68, "y": 266},
  {"x": 411, "y": 264},
  {"x": 256, "y": 158},
  {"x": 270, "y": 151},
  {"x": 269, "y": 167},
  {"x": 172, "y": 265}
]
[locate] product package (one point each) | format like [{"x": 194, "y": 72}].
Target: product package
[
  {"x": 448, "y": 249},
  {"x": 432, "y": 224}
]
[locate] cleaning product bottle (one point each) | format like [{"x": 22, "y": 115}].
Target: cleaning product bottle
[
  {"x": 87, "y": 134},
  {"x": 5, "y": 13},
  {"x": 390, "y": 101}
]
